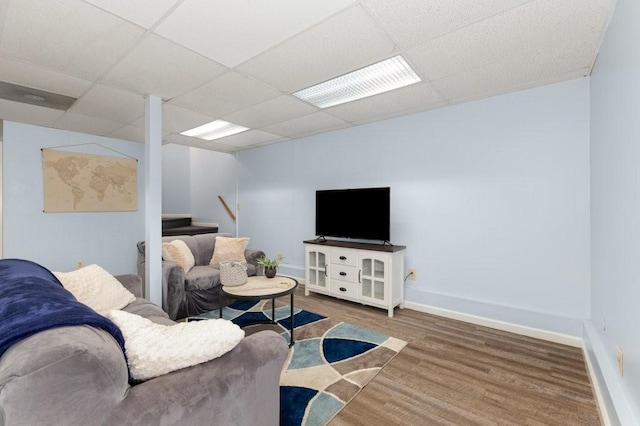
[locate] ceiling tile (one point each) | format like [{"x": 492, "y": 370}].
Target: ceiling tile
[
  {"x": 226, "y": 94},
  {"x": 502, "y": 76},
  {"x": 176, "y": 119},
  {"x": 36, "y": 77},
  {"x": 541, "y": 29},
  {"x": 142, "y": 12},
  {"x": 246, "y": 139},
  {"x": 410, "y": 98},
  {"x": 160, "y": 67},
  {"x": 110, "y": 103},
  {"x": 85, "y": 124},
  {"x": 306, "y": 125},
  {"x": 227, "y": 22},
  {"x": 184, "y": 140},
  {"x": 347, "y": 41},
  {"x": 273, "y": 111},
  {"x": 490, "y": 92},
  {"x": 88, "y": 42},
  {"x": 129, "y": 133},
  {"x": 414, "y": 22},
  {"x": 17, "y": 111}
]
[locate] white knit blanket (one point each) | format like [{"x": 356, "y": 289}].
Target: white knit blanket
[{"x": 153, "y": 349}]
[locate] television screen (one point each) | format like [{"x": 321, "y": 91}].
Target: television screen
[{"x": 362, "y": 213}]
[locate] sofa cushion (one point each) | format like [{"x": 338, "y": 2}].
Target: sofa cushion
[
  {"x": 201, "y": 278},
  {"x": 178, "y": 252},
  {"x": 96, "y": 288},
  {"x": 153, "y": 349},
  {"x": 228, "y": 248}
]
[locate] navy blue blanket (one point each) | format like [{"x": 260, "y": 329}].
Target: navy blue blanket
[{"x": 32, "y": 300}]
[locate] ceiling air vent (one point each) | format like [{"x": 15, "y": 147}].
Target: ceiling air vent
[{"x": 27, "y": 95}]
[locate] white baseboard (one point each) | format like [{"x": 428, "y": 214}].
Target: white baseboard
[{"x": 551, "y": 336}]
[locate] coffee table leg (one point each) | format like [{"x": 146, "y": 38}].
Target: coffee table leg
[
  {"x": 291, "y": 341},
  {"x": 273, "y": 311}
]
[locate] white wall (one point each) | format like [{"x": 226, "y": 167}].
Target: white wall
[
  {"x": 491, "y": 199},
  {"x": 59, "y": 240},
  {"x": 176, "y": 179},
  {"x": 615, "y": 209}
]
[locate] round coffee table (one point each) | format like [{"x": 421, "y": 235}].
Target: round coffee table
[{"x": 259, "y": 288}]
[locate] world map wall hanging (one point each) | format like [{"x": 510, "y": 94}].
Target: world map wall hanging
[{"x": 77, "y": 182}]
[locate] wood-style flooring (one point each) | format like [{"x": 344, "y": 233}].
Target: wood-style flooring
[{"x": 456, "y": 373}]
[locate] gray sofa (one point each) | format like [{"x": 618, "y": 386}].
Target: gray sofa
[
  {"x": 77, "y": 375},
  {"x": 196, "y": 291}
]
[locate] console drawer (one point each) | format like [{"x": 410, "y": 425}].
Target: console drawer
[
  {"x": 344, "y": 257},
  {"x": 344, "y": 273},
  {"x": 344, "y": 289}
]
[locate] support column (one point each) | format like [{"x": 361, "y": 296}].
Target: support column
[{"x": 153, "y": 198}]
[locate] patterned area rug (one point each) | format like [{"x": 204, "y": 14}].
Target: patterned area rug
[{"x": 328, "y": 365}]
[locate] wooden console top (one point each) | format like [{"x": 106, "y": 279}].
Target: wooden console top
[{"x": 354, "y": 245}]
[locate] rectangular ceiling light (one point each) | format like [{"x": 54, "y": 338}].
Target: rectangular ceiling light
[
  {"x": 215, "y": 130},
  {"x": 372, "y": 80}
]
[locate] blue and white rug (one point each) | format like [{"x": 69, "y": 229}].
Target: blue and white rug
[{"x": 328, "y": 365}]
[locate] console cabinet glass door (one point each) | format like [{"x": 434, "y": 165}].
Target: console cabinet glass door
[
  {"x": 374, "y": 271},
  {"x": 317, "y": 274}
]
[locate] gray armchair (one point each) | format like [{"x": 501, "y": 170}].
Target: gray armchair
[{"x": 196, "y": 291}]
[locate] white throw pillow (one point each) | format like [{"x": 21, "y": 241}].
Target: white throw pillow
[
  {"x": 96, "y": 288},
  {"x": 228, "y": 248},
  {"x": 154, "y": 349},
  {"x": 178, "y": 252}
]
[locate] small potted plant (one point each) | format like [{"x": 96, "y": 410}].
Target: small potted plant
[{"x": 270, "y": 265}]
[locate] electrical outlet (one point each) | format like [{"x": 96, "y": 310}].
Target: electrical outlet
[
  {"x": 79, "y": 264},
  {"x": 413, "y": 274},
  {"x": 620, "y": 358}
]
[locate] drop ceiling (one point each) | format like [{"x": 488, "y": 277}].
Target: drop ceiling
[{"x": 240, "y": 60}]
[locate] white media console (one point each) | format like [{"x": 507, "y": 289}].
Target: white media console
[{"x": 371, "y": 274}]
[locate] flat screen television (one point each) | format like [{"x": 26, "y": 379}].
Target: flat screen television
[{"x": 362, "y": 213}]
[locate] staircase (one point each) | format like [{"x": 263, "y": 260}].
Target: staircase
[{"x": 182, "y": 226}]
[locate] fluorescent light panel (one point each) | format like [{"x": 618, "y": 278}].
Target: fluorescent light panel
[
  {"x": 380, "y": 77},
  {"x": 215, "y": 130}
]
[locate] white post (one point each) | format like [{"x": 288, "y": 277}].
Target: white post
[{"x": 153, "y": 198}]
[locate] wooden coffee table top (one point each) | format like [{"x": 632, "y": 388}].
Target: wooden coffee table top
[{"x": 261, "y": 287}]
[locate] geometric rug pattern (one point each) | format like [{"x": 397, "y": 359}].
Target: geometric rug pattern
[{"x": 327, "y": 366}]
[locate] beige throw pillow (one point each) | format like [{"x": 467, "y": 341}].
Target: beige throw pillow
[
  {"x": 178, "y": 252},
  {"x": 96, "y": 288},
  {"x": 228, "y": 248}
]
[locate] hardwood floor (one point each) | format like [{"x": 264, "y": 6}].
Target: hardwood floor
[{"x": 456, "y": 373}]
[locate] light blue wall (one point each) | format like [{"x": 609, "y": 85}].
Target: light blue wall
[
  {"x": 491, "y": 199},
  {"x": 615, "y": 208},
  {"x": 213, "y": 174},
  {"x": 176, "y": 179},
  {"x": 59, "y": 240},
  {"x": 192, "y": 179}
]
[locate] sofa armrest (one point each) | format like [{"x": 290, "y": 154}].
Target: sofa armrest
[
  {"x": 239, "y": 388},
  {"x": 173, "y": 290},
  {"x": 132, "y": 282},
  {"x": 252, "y": 256}
]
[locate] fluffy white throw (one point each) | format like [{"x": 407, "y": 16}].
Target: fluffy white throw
[{"x": 153, "y": 349}]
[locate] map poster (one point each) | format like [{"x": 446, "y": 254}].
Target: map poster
[{"x": 75, "y": 182}]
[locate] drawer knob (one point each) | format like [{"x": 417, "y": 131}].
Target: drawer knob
[
  {"x": 343, "y": 257},
  {"x": 343, "y": 289},
  {"x": 343, "y": 273}
]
